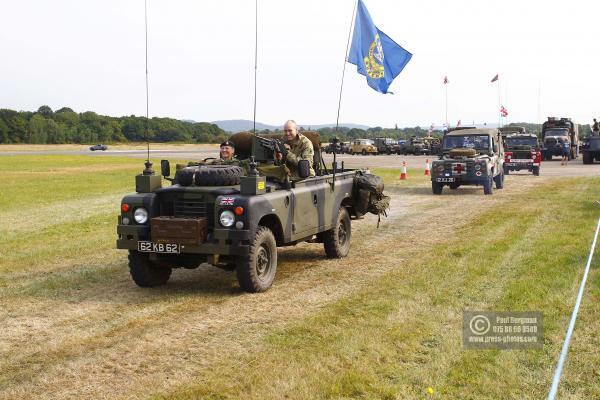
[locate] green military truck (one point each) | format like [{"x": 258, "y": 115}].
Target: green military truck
[
  {"x": 469, "y": 157},
  {"x": 590, "y": 149},
  {"x": 235, "y": 216},
  {"x": 558, "y": 133}
]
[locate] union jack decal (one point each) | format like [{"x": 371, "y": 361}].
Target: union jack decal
[{"x": 226, "y": 201}]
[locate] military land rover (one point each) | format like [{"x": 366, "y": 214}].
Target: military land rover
[
  {"x": 469, "y": 157},
  {"x": 235, "y": 217},
  {"x": 522, "y": 152}
]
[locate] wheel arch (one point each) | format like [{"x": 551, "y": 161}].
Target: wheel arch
[{"x": 272, "y": 222}]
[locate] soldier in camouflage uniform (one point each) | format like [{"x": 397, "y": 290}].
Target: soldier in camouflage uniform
[{"x": 300, "y": 148}]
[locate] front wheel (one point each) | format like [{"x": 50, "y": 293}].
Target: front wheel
[
  {"x": 256, "y": 271},
  {"x": 336, "y": 241},
  {"x": 145, "y": 273},
  {"x": 536, "y": 170},
  {"x": 436, "y": 187}
]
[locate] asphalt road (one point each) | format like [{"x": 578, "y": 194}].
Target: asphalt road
[{"x": 548, "y": 168}]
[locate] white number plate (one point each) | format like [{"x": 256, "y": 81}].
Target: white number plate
[
  {"x": 151, "y": 247},
  {"x": 444, "y": 179}
]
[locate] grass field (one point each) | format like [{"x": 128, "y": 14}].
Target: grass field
[{"x": 383, "y": 323}]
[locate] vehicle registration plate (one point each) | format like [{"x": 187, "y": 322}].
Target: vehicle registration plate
[
  {"x": 151, "y": 247},
  {"x": 444, "y": 179}
]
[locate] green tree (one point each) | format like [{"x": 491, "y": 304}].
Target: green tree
[{"x": 45, "y": 111}]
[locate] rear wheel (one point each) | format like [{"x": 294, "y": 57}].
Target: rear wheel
[
  {"x": 145, "y": 273},
  {"x": 587, "y": 158},
  {"x": 506, "y": 170},
  {"x": 336, "y": 241},
  {"x": 364, "y": 152},
  {"x": 499, "y": 181},
  {"x": 487, "y": 186},
  {"x": 437, "y": 187},
  {"x": 256, "y": 271}
]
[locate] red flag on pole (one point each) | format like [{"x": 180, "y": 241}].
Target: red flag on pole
[
  {"x": 458, "y": 123},
  {"x": 503, "y": 111},
  {"x": 494, "y": 79},
  {"x": 446, "y": 80}
]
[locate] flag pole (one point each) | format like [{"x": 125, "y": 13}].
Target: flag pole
[
  {"x": 337, "y": 120},
  {"x": 499, "y": 105},
  {"x": 446, "y": 85}
]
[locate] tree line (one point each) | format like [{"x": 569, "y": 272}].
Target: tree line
[{"x": 45, "y": 126}]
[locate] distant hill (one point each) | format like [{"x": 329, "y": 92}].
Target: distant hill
[{"x": 239, "y": 125}]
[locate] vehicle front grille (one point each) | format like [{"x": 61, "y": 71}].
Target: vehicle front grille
[
  {"x": 186, "y": 207},
  {"x": 190, "y": 208}
]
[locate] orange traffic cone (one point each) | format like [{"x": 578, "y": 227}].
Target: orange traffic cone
[
  {"x": 403, "y": 171},
  {"x": 427, "y": 170}
]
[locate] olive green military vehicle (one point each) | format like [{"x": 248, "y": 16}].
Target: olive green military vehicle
[
  {"x": 415, "y": 145},
  {"x": 522, "y": 151},
  {"x": 558, "y": 135},
  {"x": 590, "y": 148},
  {"x": 235, "y": 216},
  {"x": 469, "y": 157}
]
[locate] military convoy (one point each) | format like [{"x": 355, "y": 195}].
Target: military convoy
[
  {"x": 522, "y": 152},
  {"x": 469, "y": 157},
  {"x": 558, "y": 134},
  {"x": 235, "y": 216}
]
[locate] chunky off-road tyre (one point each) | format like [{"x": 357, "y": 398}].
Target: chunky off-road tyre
[
  {"x": 587, "y": 158},
  {"x": 436, "y": 187},
  {"x": 499, "y": 181},
  {"x": 144, "y": 273},
  {"x": 536, "y": 170},
  {"x": 213, "y": 175},
  {"x": 364, "y": 152},
  {"x": 256, "y": 271},
  {"x": 487, "y": 186},
  {"x": 336, "y": 241}
]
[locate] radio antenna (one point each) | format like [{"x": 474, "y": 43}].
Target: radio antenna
[
  {"x": 148, "y": 164},
  {"x": 255, "y": 61}
]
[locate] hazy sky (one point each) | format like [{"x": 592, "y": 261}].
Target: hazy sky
[{"x": 89, "y": 55}]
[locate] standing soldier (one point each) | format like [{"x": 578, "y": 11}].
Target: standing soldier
[
  {"x": 300, "y": 148},
  {"x": 596, "y": 128}
]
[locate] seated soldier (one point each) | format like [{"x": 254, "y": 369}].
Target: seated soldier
[{"x": 299, "y": 148}]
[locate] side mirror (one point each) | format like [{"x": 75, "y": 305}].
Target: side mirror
[
  {"x": 303, "y": 169},
  {"x": 165, "y": 168}
]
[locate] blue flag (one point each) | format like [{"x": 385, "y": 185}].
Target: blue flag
[{"x": 375, "y": 55}]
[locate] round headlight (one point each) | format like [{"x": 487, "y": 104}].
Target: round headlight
[
  {"x": 140, "y": 215},
  {"x": 477, "y": 167},
  {"x": 227, "y": 218},
  {"x": 440, "y": 168}
]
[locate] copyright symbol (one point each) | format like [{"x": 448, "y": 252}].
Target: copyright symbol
[{"x": 479, "y": 325}]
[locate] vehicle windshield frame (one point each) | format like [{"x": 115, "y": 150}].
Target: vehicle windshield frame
[
  {"x": 520, "y": 141},
  {"x": 467, "y": 142}
]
